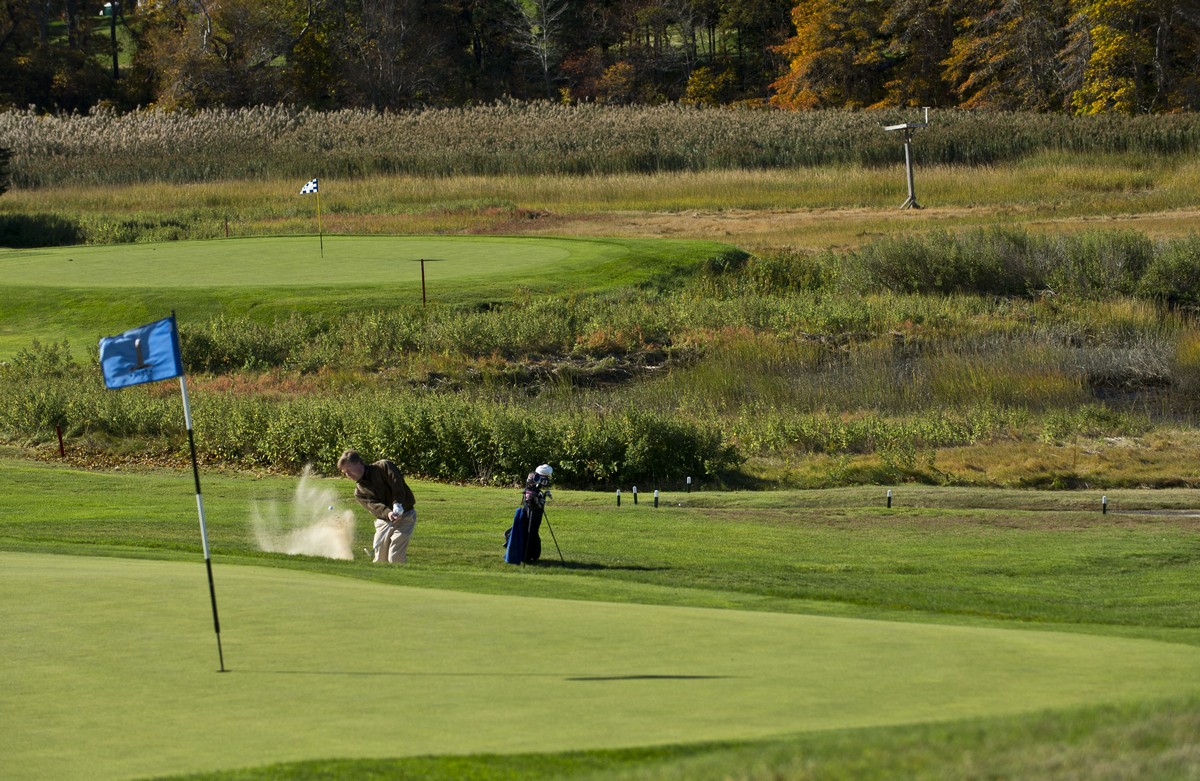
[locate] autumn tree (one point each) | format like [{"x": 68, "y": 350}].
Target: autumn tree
[
  {"x": 536, "y": 31},
  {"x": 222, "y": 52},
  {"x": 1140, "y": 55},
  {"x": 49, "y": 56},
  {"x": 834, "y": 60}
]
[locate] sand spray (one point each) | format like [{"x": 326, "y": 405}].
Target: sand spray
[{"x": 312, "y": 526}]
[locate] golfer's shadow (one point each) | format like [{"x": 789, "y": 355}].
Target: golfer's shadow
[
  {"x": 592, "y": 565},
  {"x": 507, "y": 674},
  {"x": 649, "y": 678}
]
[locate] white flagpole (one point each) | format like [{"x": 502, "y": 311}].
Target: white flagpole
[
  {"x": 320, "y": 231},
  {"x": 212, "y": 591}
]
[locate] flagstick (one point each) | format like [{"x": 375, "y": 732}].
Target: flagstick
[
  {"x": 212, "y": 591},
  {"x": 320, "y": 233}
]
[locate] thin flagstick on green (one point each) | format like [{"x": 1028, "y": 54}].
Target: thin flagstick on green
[{"x": 314, "y": 186}]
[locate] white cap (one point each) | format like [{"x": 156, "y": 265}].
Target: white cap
[{"x": 545, "y": 470}]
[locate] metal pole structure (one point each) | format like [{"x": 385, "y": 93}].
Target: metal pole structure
[
  {"x": 911, "y": 203},
  {"x": 320, "y": 230},
  {"x": 422, "y": 281},
  {"x": 908, "y": 128},
  {"x": 546, "y": 518}
]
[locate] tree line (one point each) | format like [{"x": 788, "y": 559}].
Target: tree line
[{"x": 1075, "y": 56}]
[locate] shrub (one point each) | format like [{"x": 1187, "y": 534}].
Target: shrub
[{"x": 1173, "y": 274}]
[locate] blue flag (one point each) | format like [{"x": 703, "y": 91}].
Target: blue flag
[{"x": 146, "y": 354}]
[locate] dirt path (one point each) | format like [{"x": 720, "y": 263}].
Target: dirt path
[{"x": 821, "y": 228}]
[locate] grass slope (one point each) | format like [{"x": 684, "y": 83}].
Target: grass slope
[{"x": 110, "y": 659}]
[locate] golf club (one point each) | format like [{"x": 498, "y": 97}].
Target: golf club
[{"x": 553, "y": 537}]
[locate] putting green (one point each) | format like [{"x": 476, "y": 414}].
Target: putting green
[
  {"x": 110, "y": 670},
  {"x": 82, "y": 293},
  {"x": 353, "y": 261}
]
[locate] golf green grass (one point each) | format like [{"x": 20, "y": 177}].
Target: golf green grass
[
  {"x": 111, "y": 670},
  {"x": 82, "y": 292},
  {"x": 299, "y": 260}
]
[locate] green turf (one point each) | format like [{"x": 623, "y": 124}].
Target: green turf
[
  {"x": 112, "y": 662},
  {"x": 940, "y": 554},
  {"x": 81, "y": 293}
]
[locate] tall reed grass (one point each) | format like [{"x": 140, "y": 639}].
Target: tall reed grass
[{"x": 535, "y": 138}]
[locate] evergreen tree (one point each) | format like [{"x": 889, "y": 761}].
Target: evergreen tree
[
  {"x": 918, "y": 38},
  {"x": 5, "y": 159},
  {"x": 1007, "y": 55}
]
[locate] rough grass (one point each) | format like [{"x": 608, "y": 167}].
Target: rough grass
[{"x": 817, "y": 206}]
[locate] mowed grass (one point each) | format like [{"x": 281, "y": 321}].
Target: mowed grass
[
  {"x": 110, "y": 659},
  {"x": 962, "y": 555},
  {"x": 81, "y": 293},
  {"x": 955, "y": 605}
]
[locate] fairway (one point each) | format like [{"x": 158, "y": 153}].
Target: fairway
[{"x": 110, "y": 670}]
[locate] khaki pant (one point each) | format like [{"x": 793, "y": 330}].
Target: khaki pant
[{"x": 391, "y": 539}]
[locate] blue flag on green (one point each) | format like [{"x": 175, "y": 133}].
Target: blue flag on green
[{"x": 148, "y": 353}]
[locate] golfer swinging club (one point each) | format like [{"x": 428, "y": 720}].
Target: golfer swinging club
[{"x": 380, "y": 488}]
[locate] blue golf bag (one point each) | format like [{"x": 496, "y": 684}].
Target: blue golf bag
[{"x": 522, "y": 543}]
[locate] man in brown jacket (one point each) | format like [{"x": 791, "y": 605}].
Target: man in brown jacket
[{"x": 380, "y": 488}]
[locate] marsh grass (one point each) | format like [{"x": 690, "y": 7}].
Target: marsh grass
[{"x": 538, "y": 138}]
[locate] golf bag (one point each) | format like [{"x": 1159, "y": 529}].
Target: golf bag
[{"x": 522, "y": 543}]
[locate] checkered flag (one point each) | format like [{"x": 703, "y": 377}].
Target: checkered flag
[{"x": 311, "y": 187}]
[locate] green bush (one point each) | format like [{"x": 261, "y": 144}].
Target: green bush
[
  {"x": 1173, "y": 274},
  {"x": 1010, "y": 262}
]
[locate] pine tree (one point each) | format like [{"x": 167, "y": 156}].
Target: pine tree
[
  {"x": 1006, "y": 55},
  {"x": 919, "y": 35}
]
